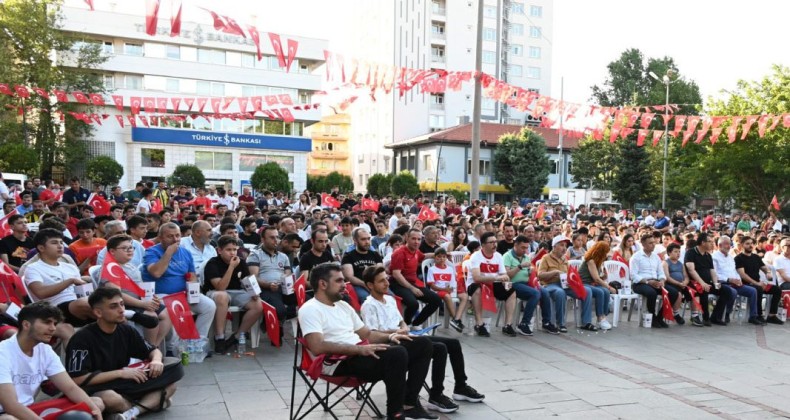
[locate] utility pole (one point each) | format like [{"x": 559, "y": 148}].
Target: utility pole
[
  {"x": 474, "y": 193},
  {"x": 560, "y": 172}
]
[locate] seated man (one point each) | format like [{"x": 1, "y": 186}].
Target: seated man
[
  {"x": 724, "y": 264},
  {"x": 749, "y": 266},
  {"x": 699, "y": 264},
  {"x": 331, "y": 327},
  {"x": 170, "y": 266},
  {"x": 647, "y": 274},
  {"x": 406, "y": 261},
  {"x": 270, "y": 266},
  {"x": 551, "y": 270},
  {"x": 27, "y": 359},
  {"x": 222, "y": 283},
  {"x": 518, "y": 266},
  {"x": 487, "y": 267},
  {"x": 98, "y": 355},
  {"x": 380, "y": 313},
  {"x": 354, "y": 262}
]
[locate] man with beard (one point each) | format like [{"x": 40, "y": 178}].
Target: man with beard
[{"x": 356, "y": 261}]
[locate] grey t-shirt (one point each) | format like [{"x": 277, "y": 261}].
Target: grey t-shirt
[{"x": 271, "y": 267}]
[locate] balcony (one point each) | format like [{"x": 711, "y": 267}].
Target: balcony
[
  {"x": 326, "y": 135},
  {"x": 437, "y": 107},
  {"x": 329, "y": 154},
  {"x": 437, "y": 58}
]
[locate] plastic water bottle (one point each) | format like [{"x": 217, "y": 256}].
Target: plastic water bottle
[{"x": 242, "y": 347}]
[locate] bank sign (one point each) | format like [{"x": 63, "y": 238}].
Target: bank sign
[{"x": 218, "y": 139}]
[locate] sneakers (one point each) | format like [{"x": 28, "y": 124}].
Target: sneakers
[
  {"x": 551, "y": 329},
  {"x": 457, "y": 325},
  {"x": 509, "y": 331},
  {"x": 589, "y": 327},
  {"x": 696, "y": 321},
  {"x": 524, "y": 329},
  {"x": 605, "y": 325},
  {"x": 442, "y": 404},
  {"x": 467, "y": 393},
  {"x": 417, "y": 412},
  {"x": 145, "y": 321},
  {"x": 219, "y": 345},
  {"x": 482, "y": 331},
  {"x": 658, "y": 322},
  {"x": 707, "y": 323},
  {"x": 719, "y": 323},
  {"x": 773, "y": 319},
  {"x": 679, "y": 320},
  {"x": 563, "y": 329},
  {"x": 756, "y": 321}
]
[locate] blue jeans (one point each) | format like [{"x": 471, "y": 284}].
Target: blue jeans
[
  {"x": 362, "y": 293},
  {"x": 601, "y": 296},
  {"x": 532, "y": 296},
  {"x": 750, "y": 293},
  {"x": 557, "y": 295},
  {"x": 586, "y": 304}
]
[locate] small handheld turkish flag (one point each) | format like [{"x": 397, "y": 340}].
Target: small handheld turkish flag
[
  {"x": 156, "y": 205},
  {"x": 427, "y": 214},
  {"x": 370, "y": 204},
  {"x": 300, "y": 289},
  {"x": 533, "y": 280},
  {"x": 666, "y": 306},
  {"x": 11, "y": 285},
  {"x": 113, "y": 272},
  {"x": 272, "y": 323},
  {"x": 487, "y": 293},
  {"x": 101, "y": 207},
  {"x": 575, "y": 283},
  {"x": 5, "y": 229},
  {"x": 352, "y": 297},
  {"x": 541, "y": 212},
  {"x": 538, "y": 256},
  {"x": 181, "y": 316},
  {"x": 329, "y": 201},
  {"x": 775, "y": 203}
]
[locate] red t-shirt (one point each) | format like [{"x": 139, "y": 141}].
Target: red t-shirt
[
  {"x": 247, "y": 201},
  {"x": 408, "y": 263}
]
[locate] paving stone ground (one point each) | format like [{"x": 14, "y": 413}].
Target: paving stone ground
[{"x": 734, "y": 372}]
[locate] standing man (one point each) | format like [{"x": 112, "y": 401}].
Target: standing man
[
  {"x": 76, "y": 197},
  {"x": 356, "y": 261}
]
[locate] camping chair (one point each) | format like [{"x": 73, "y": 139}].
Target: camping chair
[{"x": 309, "y": 369}]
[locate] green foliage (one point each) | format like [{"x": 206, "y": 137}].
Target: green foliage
[
  {"x": 189, "y": 175},
  {"x": 343, "y": 183},
  {"x": 270, "y": 177},
  {"x": 15, "y": 157},
  {"x": 459, "y": 196},
  {"x": 521, "y": 164},
  {"x": 632, "y": 182},
  {"x": 404, "y": 184},
  {"x": 30, "y": 36},
  {"x": 104, "y": 170},
  {"x": 594, "y": 160},
  {"x": 379, "y": 184},
  {"x": 315, "y": 183}
]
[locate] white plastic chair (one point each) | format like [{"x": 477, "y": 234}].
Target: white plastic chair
[
  {"x": 575, "y": 263},
  {"x": 613, "y": 273},
  {"x": 255, "y": 331}
]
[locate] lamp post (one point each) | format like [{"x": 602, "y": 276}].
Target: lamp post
[{"x": 665, "y": 80}]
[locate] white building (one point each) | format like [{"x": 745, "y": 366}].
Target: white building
[
  {"x": 201, "y": 62},
  {"x": 446, "y": 155},
  {"x": 440, "y": 34}
]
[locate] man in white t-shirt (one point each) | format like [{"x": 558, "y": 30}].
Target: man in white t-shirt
[
  {"x": 782, "y": 264},
  {"x": 489, "y": 269},
  {"x": 27, "y": 359},
  {"x": 331, "y": 327}
]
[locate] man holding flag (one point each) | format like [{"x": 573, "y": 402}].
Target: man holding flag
[
  {"x": 523, "y": 274},
  {"x": 488, "y": 270}
]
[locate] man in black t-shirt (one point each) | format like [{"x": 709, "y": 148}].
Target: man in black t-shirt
[
  {"x": 699, "y": 264},
  {"x": 222, "y": 283},
  {"x": 430, "y": 241},
  {"x": 249, "y": 233},
  {"x": 356, "y": 261},
  {"x": 14, "y": 247},
  {"x": 97, "y": 357},
  {"x": 318, "y": 254},
  {"x": 507, "y": 244},
  {"x": 749, "y": 266}
]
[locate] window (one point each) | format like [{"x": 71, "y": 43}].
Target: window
[
  {"x": 516, "y": 50},
  {"x": 535, "y": 32},
  {"x": 437, "y": 101},
  {"x": 172, "y": 85},
  {"x": 515, "y": 70},
  {"x": 553, "y": 166},
  {"x": 173, "y": 51},
  {"x": 360, "y": 179},
  {"x": 489, "y": 34},
  {"x": 133, "y": 82},
  {"x": 516, "y": 29},
  {"x": 489, "y": 57},
  {"x": 436, "y": 122},
  {"x": 210, "y": 88},
  {"x": 536, "y": 11},
  {"x": 133, "y": 49},
  {"x": 437, "y": 29},
  {"x": 570, "y": 163},
  {"x": 274, "y": 63},
  {"x": 534, "y": 52},
  {"x": 489, "y": 12},
  {"x": 485, "y": 167},
  {"x": 488, "y": 104},
  {"x": 273, "y": 127},
  {"x": 217, "y": 161},
  {"x": 107, "y": 47},
  {"x": 427, "y": 163},
  {"x": 248, "y": 60},
  {"x": 437, "y": 54},
  {"x": 533, "y": 72},
  {"x": 109, "y": 81},
  {"x": 211, "y": 56},
  {"x": 152, "y": 158},
  {"x": 517, "y": 8}
]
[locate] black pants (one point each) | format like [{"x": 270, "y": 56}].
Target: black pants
[
  {"x": 651, "y": 294},
  {"x": 776, "y": 298},
  {"x": 284, "y": 305},
  {"x": 410, "y": 306},
  {"x": 726, "y": 296},
  {"x": 391, "y": 367},
  {"x": 442, "y": 347}
]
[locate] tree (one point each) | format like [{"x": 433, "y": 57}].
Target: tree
[
  {"x": 404, "y": 184},
  {"x": 632, "y": 183},
  {"x": 521, "y": 164},
  {"x": 15, "y": 157},
  {"x": 343, "y": 183},
  {"x": 270, "y": 177},
  {"x": 594, "y": 161},
  {"x": 104, "y": 170},
  {"x": 189, "y": 175},
  {"x": 379, "y": 185},
  {"x": 459, "y": 196},
  {"x": 315, "y": 183},
  {"x": 30, "y": 38}
]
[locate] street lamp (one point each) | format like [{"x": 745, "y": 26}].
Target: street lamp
[{"x": 665, "y": 80}]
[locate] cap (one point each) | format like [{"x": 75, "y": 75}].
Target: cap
[{"x": 559, "y": 238}]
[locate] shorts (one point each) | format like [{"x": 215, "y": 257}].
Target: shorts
[
  {"x": 499, "y": 290},
  {"x": 441, "y": 294},
  {"x": 69, "y": 318},
  {"x": 238, "y": 298}
]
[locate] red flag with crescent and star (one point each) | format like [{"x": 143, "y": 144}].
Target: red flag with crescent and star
[
  {"x": 533, "y": 279},
  {"x": 101, "y": 207},
  {"x": 352, "y": 297},
  {"x": 5, "y": 229},
  {"x": 329, "y": 201},
  {"x": 11, "y": 284},
  {"x": 300, "y": 289},
  {"x": 113, "y": 272},
  {"x": 775, "y": 203},
  {"x": 272, "y": 323},
  {"x": 181, "y": 316},
  {"x": 427, "y": 214},
  {"x": 487, "y": 293},
  {"x": 370, "y": 204},
  {"x": 575, "y": 283}
]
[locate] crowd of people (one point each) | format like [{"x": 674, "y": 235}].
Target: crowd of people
[{"x": 405, "y": 259}]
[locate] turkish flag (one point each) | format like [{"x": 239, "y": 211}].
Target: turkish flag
[
  {"x": 352, "y": 297},
  {"x": 640, "y": 139},
  {"x": 215, "y": 104},
  {"x": 80, "y": 97},
  {"x": 189, "y": 102},
  {"x": 120, "y": 120},
  {"x": 41, "y": 92},
  {"x": 747, "y": 125},
  {"x": 762, "y": 124},
  {"x": 427, "y": 214},
  {"x": 271, "y": 100},
  {"x": 134, "y": 104},
  {"x": 272, "y": 323},
  {"x": 96, "y": 99},
  {"x": 175, "y": 21},
  {"x": 538, "y": 256},
  {"x": 161, "y": 105},
  {"x": 370, "y": 204},
  {"x": 286, "y": 115},
  {"x": 151, "y": 12},
  {"x": 786, "y": 300},
  {"x": 775, "y": 203},
  {"x": 87, "y": 253},
  {"x": 118, "y": 100},
  {"x": 132, "y": 120},
  {"x": 619, "y": 258},
  {"x": 201, "y": 104},
  {"x": 181, "y": 315},
  {"x": 647, "y": 118},
  {"x": 226, "y": 101},
  {"x": 156, "y": 205},
  {"x": 101, "y": 207},
  {"x": 113, "y": 272},
  {"x": 300, "y": 289},
  {"x": 293, "y": 45},
  {"x": 60, "y": 95},
  {"x": 53, "y": 408},
  {"x": 22, "y": 91},
  {"x": 226, "y": 24},
  {"x": 575, "y": 283},
  {"x": 149, "y": 104},
  {"x": 533, "y": 279},
  {"x": 329, "y": 201},
  {"x": 666, "y": 306},
  {"x": 243, "y": 101},
  {"x": 656, "y": 137},
  {"x": 144, "y": 120},
  {"x": 278, "y": 48},
  {"x": 694, "y": 300},
  {"x": 541, "y": 211},
  {"x": 5, "y": 229},
  {"x": 256, "y": 39},
  {"x": 488, "y": 300},
  {"x": 11, "y": 284},
  {"x": 285, "y": 99}
]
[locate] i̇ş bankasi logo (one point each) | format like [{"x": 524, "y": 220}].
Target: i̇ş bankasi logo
[{"x": 226, "y": 139}]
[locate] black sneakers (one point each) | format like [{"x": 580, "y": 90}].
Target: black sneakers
[
  {"x": 442, "y": 404},
  {"x": 773, "y": 319},
  {"x": 508, "y": 331},
  {"x": 482, "y": 331},
  {"x": 467, "y": 393},
  {"x": 679, "y": 319},
  {"x": 551, "y": 329},
  {"x": 696, "y": 321},
  {"x": 524, "y": 329},
  {"x": 457, "y": 325},
  {"x": 417, "y": 412}
]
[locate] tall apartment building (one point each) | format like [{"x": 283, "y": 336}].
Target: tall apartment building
[
  {"x": 200, "y": 62},
  {"x": 441, "y": 34}
]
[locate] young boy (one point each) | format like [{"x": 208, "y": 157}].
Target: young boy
[
  {"x": 87, "y": 247},
  {"x": 442, "y": 279}
]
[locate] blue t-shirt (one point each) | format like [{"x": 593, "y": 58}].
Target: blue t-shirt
[
  {"x": 661, "y": 223},
  {"x": 174, "y": 278}
]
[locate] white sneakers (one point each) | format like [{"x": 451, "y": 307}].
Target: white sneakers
[{"x": 605, "y": 325}]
